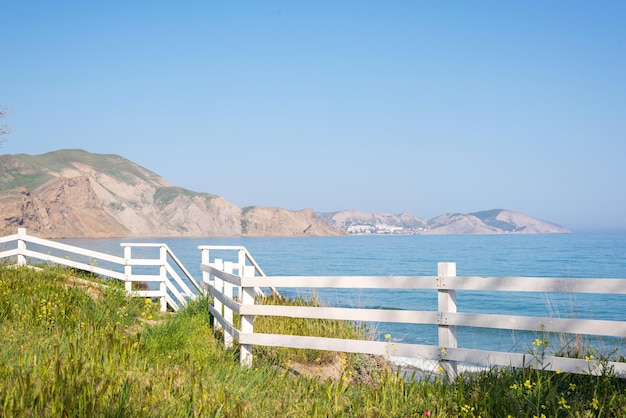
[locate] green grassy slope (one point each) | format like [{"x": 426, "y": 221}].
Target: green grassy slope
[{"x": 32, "y": 171}]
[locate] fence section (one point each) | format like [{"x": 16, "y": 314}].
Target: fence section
[
  {"x": 163, "y": 277},
  {"x": 447, "y": 353}
]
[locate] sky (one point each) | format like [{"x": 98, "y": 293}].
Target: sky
[{"x": 394, "y": 106}]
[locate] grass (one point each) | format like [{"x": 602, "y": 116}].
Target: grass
[
  {"x": 305, "y": 327},
  {"x": 66, "y": 352},
  {"x": 166, "y": 195}
]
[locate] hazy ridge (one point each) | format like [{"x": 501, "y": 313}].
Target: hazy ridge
[{"x": 496, "y": 221}]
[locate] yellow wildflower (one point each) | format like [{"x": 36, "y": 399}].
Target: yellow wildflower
[{"x": 563, "y": 404}]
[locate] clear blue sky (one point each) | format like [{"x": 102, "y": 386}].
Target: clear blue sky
[{"x": 398, "y": 106}]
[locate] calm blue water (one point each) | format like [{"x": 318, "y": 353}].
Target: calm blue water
[{"x": 569, "y": 256}]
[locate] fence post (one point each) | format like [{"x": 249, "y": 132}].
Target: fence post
[
  {"x": 163, "y": 277},
  {"x": 241, "y": 264},
  {"x": 228, "y": 313},
  {"x": 206, "y": 277},
  {"x": 219, "y": 285},
  {"x": 128, "y": 269},
  {"x": 247, "y": 298},
  {"x": 446, "y": 299},
  {"x": 21, "y": 246}
]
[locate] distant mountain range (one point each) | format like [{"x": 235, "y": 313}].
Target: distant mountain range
[
  {"x": 495, "y": 221},
  {"x": 74, "y": 193}
]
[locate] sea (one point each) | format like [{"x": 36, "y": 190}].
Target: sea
[{"x": 559, "y": 255}]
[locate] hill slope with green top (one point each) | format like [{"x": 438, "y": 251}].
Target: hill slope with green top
[{"x": 74, "y": 193}]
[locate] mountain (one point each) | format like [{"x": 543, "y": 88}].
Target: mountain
[
  {"x": 73, "y": 193},
  {"x": 496, "y": 221},
  {"x": 513, "y": 222}
]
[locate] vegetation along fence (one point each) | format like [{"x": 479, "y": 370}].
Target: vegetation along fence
[
  {"x": 222, "y": 278},
  {"x": 163, "y": 276},
  {"x": 235, "y": 285}
]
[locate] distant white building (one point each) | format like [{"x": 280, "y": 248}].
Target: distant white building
[
  {"x": 361, "y": 229},
  {"x": 388, "y": 229}
]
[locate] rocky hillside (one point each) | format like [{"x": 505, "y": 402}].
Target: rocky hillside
[
  {"x": 496, "y": 221},
  {"x": 73, "y": 193},
  {"x": 260, "y": 221}
]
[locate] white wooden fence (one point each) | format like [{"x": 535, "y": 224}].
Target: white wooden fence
[
  {"x": 166, "y": 284},
  {"x": 221, "y": 278},
  {"x": 234, "y": 286}
]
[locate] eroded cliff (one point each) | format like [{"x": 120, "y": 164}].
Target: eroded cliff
[{"x": 73, "y": 193}]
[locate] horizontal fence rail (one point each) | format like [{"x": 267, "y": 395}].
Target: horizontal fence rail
[
  {"x": 162, "y": 277},
  {"x": 447, "y": 354}
]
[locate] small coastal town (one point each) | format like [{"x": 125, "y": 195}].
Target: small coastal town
[{"x": 381, "y": 229}]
